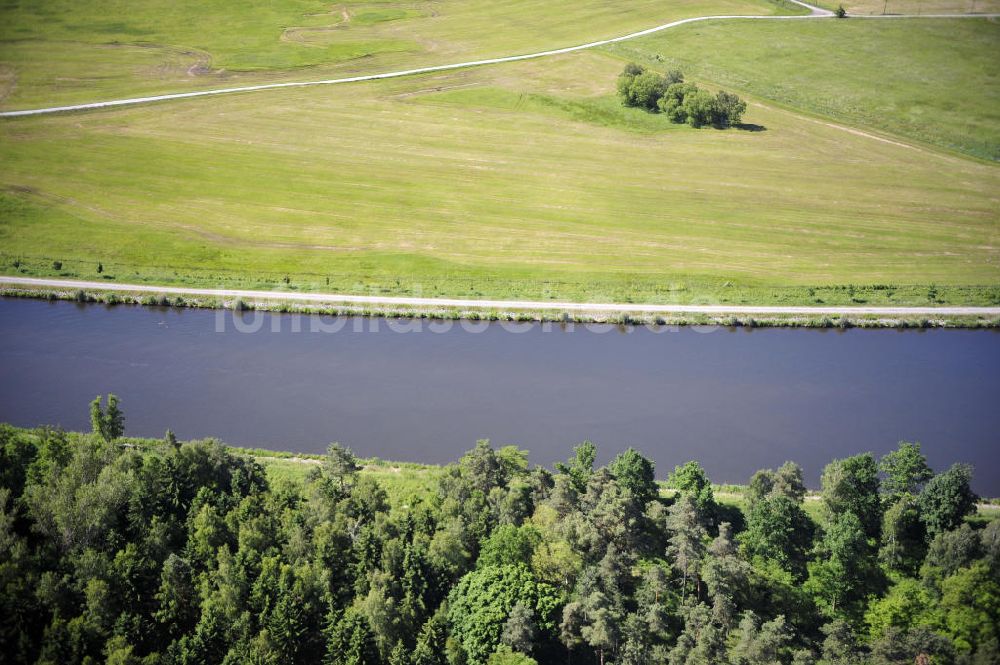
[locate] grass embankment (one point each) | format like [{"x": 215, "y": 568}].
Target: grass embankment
[
  {"x": 59, "y": 52},
  {"x": 502, "y": 182},
  {"x": 622, "y": 319},
  {"x": 933, "y": 81}
]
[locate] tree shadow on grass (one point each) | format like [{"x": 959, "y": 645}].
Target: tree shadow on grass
[{"x": 750, "y": 127}]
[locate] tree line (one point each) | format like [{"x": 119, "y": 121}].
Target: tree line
[
  {"x": 681, "y": 102},
  {"x": 128, "y": 552}
]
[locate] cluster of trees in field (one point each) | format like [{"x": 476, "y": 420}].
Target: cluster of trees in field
[
  {"x": 125, "y": 552},
  {"x": 681, "y": 102}
]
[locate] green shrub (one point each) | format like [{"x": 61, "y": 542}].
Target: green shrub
[
  {"x": 646, "y": 90},
  {"x": 699, "y": 108},
  {"x": 729, "y": 109},
  {"x": 625, "y": 80},
  {"x": 640, "y": 87},
  {"x": 672, "y": 101}
]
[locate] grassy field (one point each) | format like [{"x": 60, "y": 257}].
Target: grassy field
[
  {"x": 57, "y": 51},
  {"x": 502, "y": 182},
  {"x": 860, "y": 7},
  {"x": 935, "y": 81}
]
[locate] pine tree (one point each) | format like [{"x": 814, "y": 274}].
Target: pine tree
[
  {"x": 350, "y": 641},
  {"x": 115, "y": 418},
  {"x": 107, "y": 423},
  {"x": 430, "y": 646},
  {"x": 698, "y": 640},
  {"x": 788, "y": 482},
  {"x": 840, "y": 646},
  {"x": 687, "y": 536},
  {"x": 726, "y": 576},
  {"x": 520, "y": 630},
  {"x": 760, "y": 644},
  {"x": 399, "y": 655},
  {"x": 341, "y": 465},
  {"x": 601, "y": 628}
]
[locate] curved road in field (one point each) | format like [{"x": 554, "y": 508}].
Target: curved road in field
[
  {"x": 814, "y": 12},
  {"x": 503, "y": 305}
]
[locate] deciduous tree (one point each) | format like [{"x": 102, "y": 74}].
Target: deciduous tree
[
  {"x": 905, "y": 471},
  {"x": 779, "y": 530},
  {"x": 728, "y": 109},
  {"x": 947, "y": 499},
  {"x": 852, "y": 485},
  {"x": 636, "y": 474}
]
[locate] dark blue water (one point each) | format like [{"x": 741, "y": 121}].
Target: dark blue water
[{"x": 734, "y": 400}]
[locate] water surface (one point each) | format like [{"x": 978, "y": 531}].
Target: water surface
[{"x": 735, "y": 400}]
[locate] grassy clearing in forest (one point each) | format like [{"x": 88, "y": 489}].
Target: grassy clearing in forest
[{"x": 404, "y": 482}]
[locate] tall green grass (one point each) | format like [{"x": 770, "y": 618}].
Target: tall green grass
[{"x": 935, "y": 81}]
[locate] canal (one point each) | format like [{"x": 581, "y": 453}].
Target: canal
[{"x": 734, "y": 399}]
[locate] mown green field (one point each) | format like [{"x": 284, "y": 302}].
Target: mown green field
[
  {"x": 920, "y": 7},
  {"x": 57, "y": 51},
  {"x": 935, "y": 81},
  {"x": 522, "y": 180}
]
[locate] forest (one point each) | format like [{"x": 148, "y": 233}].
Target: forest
[{"x": 135, "y": 551}]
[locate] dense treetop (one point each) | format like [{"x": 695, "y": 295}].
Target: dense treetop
[{"x": 122, "y": 551}]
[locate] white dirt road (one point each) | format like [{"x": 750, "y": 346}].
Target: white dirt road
[{"x": 502, "y": 305}]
